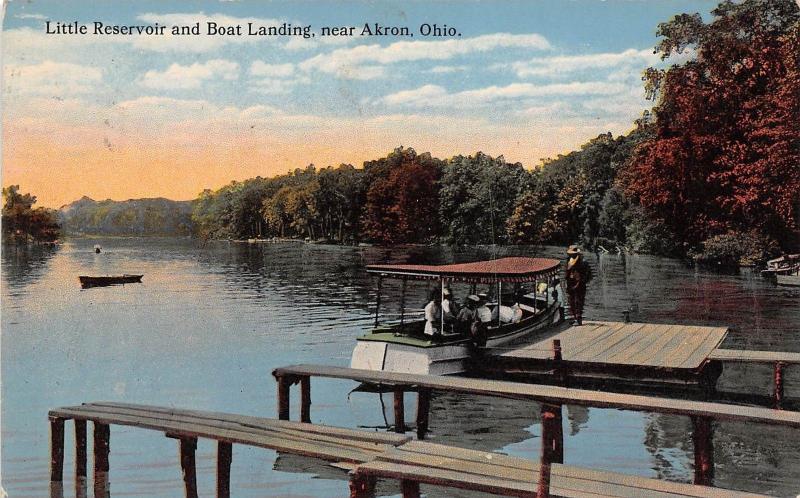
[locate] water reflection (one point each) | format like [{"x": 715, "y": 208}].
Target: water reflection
[{"x": 209, "y": 323}]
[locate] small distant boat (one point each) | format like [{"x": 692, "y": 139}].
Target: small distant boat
[
  {"x": 785, "y": 265},
  {"x": 87, "y": 281},
  {"x": 97, "y": 249}
]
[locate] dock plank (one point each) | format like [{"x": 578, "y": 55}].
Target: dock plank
[
  {"x": 604, "y": 352},
  {"x": 607, "y": 330},
  {"x": 690, "y": 340},
  {"x": 373, "y": 436},
  {"x": 755, "y": 356},
  {"x": 651, "y": 349},
  {"x": 713, "y": 339},
  {"x": 554, "y": 394},
  {"x": 259, "y": 427},
  {"x": 275, "y": 442}
]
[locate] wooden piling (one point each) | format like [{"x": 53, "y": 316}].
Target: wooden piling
[
  {"x": 361, "y": 486},
  {"x": 283, "y": 397},
  {"x": 399, "y": 411},
  {"x": 224, "y": 457},
  {"x": 56, "y": 449},
  {"x": 80, "y": 451},
  {"x": 550, "y": 417},
  {"x": 423, "y": 407},
  {"x": 703, "y": 440},
  {"x": 101, "y": 440},
  {"x": 188, "y": 445},
  {"x": 778, "y": 393},
  {"x": 305, "y": 399},
  {"x": 409, "y": 489},
  {"x": 102, "y": 436}
]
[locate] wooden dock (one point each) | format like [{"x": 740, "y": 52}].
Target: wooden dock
[
  {"x": 621, "y": 351},
  {"x": 368, "y": 456}
]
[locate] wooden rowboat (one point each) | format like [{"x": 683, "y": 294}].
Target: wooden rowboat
[{"x": 87, "y": 281}]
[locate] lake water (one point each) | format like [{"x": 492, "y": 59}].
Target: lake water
[{"x": 209, "y": 323}]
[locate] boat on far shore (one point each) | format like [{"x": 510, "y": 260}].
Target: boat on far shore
[{"x": 87, "y": 281}]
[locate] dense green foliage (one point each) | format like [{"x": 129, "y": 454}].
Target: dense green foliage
[
  {"x": 134, "y": 217},
  {"x": 23, "y": 223}
]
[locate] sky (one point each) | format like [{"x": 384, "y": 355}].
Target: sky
[{"x": 129, "y": 116}]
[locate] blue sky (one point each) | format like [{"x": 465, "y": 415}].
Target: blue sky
[{"x": 525, "y": 79}]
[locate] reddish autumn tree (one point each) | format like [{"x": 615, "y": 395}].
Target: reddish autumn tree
[
  {"x": 403, "y": 198},
  {"x": 725, "y": 151}
]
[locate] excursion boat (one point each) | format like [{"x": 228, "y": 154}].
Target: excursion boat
[
  {"x": 87, "y": 281},
  {"x": 404, "y": 347},
  {"x": 785, "y": 265}
]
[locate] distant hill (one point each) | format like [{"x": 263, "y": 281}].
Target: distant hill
[{"x": 134, "y": 217}]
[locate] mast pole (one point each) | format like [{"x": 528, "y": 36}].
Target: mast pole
[
  {"x": 441, "y": 305},
  {"x": 499, "y": 300}
]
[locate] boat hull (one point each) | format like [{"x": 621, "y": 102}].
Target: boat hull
[
  {"x": 789, "y": 280},
  {"x": 87, "y": 281},
  {"x": 447, "y": 358}
]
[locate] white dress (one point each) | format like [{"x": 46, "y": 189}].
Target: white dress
[{"x": 433, "y": 317}]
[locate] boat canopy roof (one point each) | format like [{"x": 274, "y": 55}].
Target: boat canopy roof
[{"x": 482, "y": 272}]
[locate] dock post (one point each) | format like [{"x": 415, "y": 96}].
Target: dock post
[
  {"x": 409, "y": 489},
  {"x": 778, "y": 394},
  {"x": 101, "y": 440},
  {"x": 399, "y": 411},
  {"x": 361, "y": 486},
  {"x": 305, "y": 399},
  {"x": 559, "y": 372},
  {"x": 703, "y": 440},
  {"x": 552, "y": 446},
  {"x": 188, "y": 445},
  {"x": 224, "y": 457},
  {"x": 283, "y": 397},
  {"x": 423, "y": 407},
  {"x": 56, "y": 449},
  {"x": 80, "y": 456}
]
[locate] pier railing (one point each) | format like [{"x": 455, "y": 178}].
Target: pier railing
[{"x": 551, "y": 398}]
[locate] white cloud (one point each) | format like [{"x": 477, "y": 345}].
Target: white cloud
[
  {"x": 348, "y": 61},
  {"x": 271, "y": 86},
  {"x": 260, "y": 68},
  {"x": 437, "y": 96},
  {"x": 564, "y": 64},
  {"x": 38, "y": 17},
  {"x": 51, "y": 78},
  {"x": 190, "y": 77},
  {"x": 446, "y": 69}
]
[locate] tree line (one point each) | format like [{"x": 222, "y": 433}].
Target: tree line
[
  {"x": 22, "y": 223},
  {"x": 712, "y": 168}
]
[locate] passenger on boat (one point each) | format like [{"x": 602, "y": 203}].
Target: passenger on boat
[
  {"x": 469, "y": 313},
  {"x": 508, "y": 314},
  {"x": 450, "y": 308},
  {"x": 484, "y": 313},
  {"x": 433, "y": 314}
]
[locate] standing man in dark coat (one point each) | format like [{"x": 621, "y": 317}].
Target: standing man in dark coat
[{"x": 578, "y": 275}]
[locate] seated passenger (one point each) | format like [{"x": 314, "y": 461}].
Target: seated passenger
[
  {"x": 449, "y": 309},
  {"x": 468, "y": 313},
  {"x": 433, "y": 315},
  {"x": 484, "y": 313}
]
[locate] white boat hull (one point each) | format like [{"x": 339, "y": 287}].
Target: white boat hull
[
  {"x": 444, "y": 359},
  {"x": 791, "y": 280}
]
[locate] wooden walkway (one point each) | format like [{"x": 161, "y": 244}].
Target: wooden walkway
[
  {"x": 367, "y": 455},
  {"x": 638, "y": 344}
]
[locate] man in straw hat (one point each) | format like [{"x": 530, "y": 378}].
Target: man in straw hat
[{"x": 578, "y": 274}]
